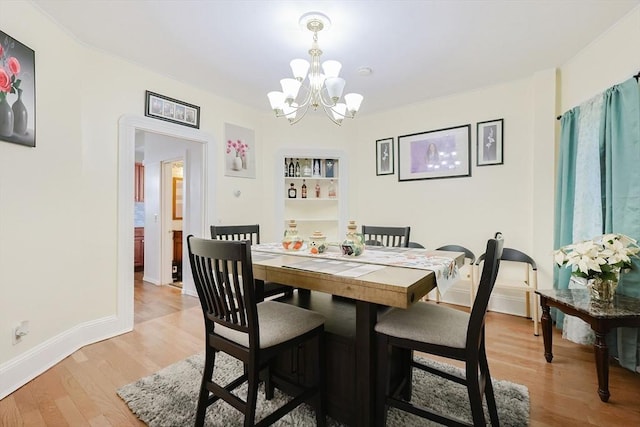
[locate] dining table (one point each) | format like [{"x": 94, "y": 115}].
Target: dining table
[{"x": 379, "y": 278}]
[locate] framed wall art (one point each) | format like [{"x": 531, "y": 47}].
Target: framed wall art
[
  {"x": 17, "y": 92},
  {"x": 169, "y": 109},
  {"x": 489, "y": 140},
  {"x": 240, "y": 154},
  {"x": 442, "y": 153},
  {"x": 384, "y": 156}
]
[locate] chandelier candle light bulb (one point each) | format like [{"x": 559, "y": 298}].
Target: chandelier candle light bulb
[{"x": 324, "y": 88}]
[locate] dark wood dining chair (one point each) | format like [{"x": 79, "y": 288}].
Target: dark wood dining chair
[
  {"x": 255, "y": 333},
  {"x": 442, "y": 331},
  {"x": 471, "y": 257},
  {"x": 250, "y": 232},
  {"x": 386, "y": 236}
]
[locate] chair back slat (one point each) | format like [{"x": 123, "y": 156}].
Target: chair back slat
[
  {"x": 223, "y": 276},
  {"x": 492, "y": 255},
  {"x": 386, "y": 236},
  {"x": 236, "y": 232}
]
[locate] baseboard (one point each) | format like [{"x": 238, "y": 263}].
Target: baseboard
[
  {"x": 502, "y": 301},
  {"x": 20, "y": 370}
]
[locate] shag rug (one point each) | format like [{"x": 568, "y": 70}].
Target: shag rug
[{"x": 168, "y": 398}]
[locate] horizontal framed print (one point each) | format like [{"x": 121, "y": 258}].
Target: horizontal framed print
[
  {"x": 169, "y": 109},
  {"x": 384, "y": 156},
  {"x": 17, "y": 92},
  {"x": 442, "y": 153},
  {"x": 490, "y": 140}
]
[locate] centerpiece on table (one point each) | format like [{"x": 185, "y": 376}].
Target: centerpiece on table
[{"x": 600, "y": 262}]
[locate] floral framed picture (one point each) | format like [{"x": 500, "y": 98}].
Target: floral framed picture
[
  {"x": 17, "y": 92},
  {"x": 240, "y": 152},
  {"x": 169, "y": 109},
  {"x": 489, "y": 140},
  {"x": 442, "y": 153},
  {"x": 384, "y": 156}
]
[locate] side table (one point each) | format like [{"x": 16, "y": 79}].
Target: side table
[{"x": 602, "y": 317}]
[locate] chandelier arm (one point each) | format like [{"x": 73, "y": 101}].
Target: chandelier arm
[{"x": 298, "y": 118}]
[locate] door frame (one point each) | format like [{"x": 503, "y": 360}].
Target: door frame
[{"x": 195, "y": 219}]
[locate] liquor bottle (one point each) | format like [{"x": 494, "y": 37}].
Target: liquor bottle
[
  {"x": 293, "y": 193},
  {"x": 332, "y": 189},
  {"x": 291, "y": 169},
  {"x": 286, "y": 168},
  {"x": 306, "y": 169},
  {"x": 317, "y": 190},
  {"x": 297, "y": 168},
  {"x": 304, "y": 189}
]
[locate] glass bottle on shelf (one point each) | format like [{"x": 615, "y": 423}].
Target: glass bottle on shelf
[
  {"x": 286, "y": 168},
  {"x": 353, "y": 244},
  {"x": 304, "y": 189},
  {"x": 293, "y": 193},
  {"x": 297, "y": 168},
  {"x": 291, "y": 240},
  {"x": 306, "y": 169},
  {"x": 292, "y": 168},
  {"x": 332, "y": 189},
  {"x": 317, "y": 190}
]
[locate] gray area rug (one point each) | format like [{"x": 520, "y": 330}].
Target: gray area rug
[{"x": 168, "y": 398}]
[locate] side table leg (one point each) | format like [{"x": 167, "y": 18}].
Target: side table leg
[
  {"x": 547, "y": 335},
  {"x": 602, "y": 365}
]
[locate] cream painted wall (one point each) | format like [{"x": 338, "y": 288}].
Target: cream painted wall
[{"x": 70, "y": 179}]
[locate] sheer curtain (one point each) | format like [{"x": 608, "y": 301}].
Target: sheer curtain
[{"x": 598, "y": 192}]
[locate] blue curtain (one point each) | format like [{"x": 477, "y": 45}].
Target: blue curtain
[
  {"x": 620, "y": 157},
  {"x": 619, "y": 146}
]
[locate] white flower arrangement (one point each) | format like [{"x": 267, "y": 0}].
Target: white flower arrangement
[{"x": 602, "y": 257}]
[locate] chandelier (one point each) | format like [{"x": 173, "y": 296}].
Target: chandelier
[{"x": 322, "y": 87}]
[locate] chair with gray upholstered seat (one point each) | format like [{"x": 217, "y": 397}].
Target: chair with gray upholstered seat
[
  {"x": 386, "y": 236},
  {"x": 250, "y": 232},
  {"x": 255, "y": 333},
  {"x": 442, "y": 331}
]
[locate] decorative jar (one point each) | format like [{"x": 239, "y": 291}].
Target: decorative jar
[
  {"x": 317, "y": 243},
  {"x": 602, "y": 290},
  {"x": 353, "y": 244},
  {"x": 291, "y": 240}
]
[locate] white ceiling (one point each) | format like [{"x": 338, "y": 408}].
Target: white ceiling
[{"x": 417, "y": 49}]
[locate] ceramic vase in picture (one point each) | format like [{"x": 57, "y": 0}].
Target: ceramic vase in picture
[
  {"x": 6, "y": 116},
  {"x": 236, "y": 164},
  {"x": 353, "y": 244},
  {"x": 20, "y": 116},
  {"x": 291, "y": 240},
  {"x": 317, "y": 243}
]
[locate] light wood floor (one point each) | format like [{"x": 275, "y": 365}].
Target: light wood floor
[{"x": 81, "y": 390}]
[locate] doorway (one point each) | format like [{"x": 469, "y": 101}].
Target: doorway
[{"x": 195, "y": 147}]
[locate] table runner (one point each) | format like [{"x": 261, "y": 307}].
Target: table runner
[{"x": 444, "y": 268}]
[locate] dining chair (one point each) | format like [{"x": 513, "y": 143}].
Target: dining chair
[
  {"x": 255, "y": 333},
  {"x": 468, "y": 255},
  {"x": 250, "y": 232},
  {"x": 520, "y": 273},
  {"x": 442, "y": 331},
  {"x": 386, "y": 236}
]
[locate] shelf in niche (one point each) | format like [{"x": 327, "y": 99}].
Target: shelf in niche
[
  {"x": 314, "y": 199},
  {"x": 300, "y": 178}
]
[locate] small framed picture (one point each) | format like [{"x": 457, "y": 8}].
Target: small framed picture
[
  {"x": 442, "y": 153},
  {"x": 489, "y": 140},
  {"x": 169, "y": 109},
  {"x": 384, "y": 156}
]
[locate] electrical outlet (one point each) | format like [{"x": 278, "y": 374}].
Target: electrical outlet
[{"x": 20, "y": 331}]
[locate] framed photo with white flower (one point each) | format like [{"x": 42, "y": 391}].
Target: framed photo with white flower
[
  {"x": 489, "y": 140},
  {"x": 171, "y": 110},
  {"x": 384, "y": 156},
  {"x": 17, "y": 92},
  {"x": 240, "y": 152}
]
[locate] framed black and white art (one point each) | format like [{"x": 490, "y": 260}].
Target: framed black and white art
[{"x": 490, "y": 140}]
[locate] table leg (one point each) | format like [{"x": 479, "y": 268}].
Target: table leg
[
  {"x": 602, "y": 365},
  {"x": 366, "y": 316},
  {"x": 547, "y": 333}
]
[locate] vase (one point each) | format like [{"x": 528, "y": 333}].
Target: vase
[
  {"x": 244, "y": 162},
  {"x": 353, "y": 244},
  {"x": 20, "y": 116},
  {"x": 6, "y": 118},
  {"x": 236, "y": 163},
  {"x": 602, "y": 290}
]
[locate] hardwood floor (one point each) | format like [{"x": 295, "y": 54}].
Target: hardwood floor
[{"x": 81, "y": 390}]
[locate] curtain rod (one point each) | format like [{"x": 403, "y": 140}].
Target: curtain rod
[{"x": 637, "y": 77}]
